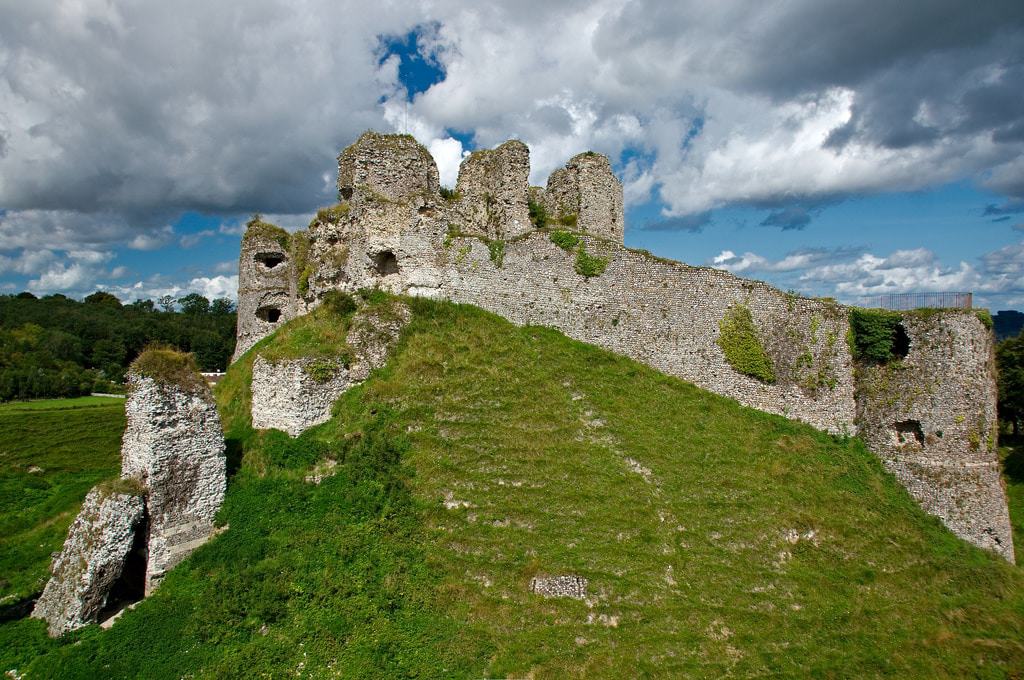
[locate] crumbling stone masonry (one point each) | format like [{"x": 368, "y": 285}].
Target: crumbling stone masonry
[
  {"x": 587, "y": 188},
  {"x": 492, "y": 186},
  {"x": 408, "y": 239},
  {"x": 172, "y": 483},
  {"x": 91, "y": 561},
  {"x": 174, "y": 444},
  {"x": 932, "y": 420},
  {"x": 267, "y": 284},
  {"x": 569, "y": 585},
  {"x": 296, "y": 394}
]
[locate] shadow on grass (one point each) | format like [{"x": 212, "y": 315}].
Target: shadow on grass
[
  {"x": 1013, "y": 462},
  {"x": 233, "y": 454}
]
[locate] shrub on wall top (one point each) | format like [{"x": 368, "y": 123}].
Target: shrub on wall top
[
  {"x": 742, "y": 347},
  {"x": 875, "y": 333}
]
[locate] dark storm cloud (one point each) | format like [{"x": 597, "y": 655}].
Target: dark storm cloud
[
  {"x": 793, "y": 217},
  {"x": 691, "y": 223},
  {"x": 147, "y": 109}
]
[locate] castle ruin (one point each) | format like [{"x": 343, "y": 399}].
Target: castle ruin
[
  {"x": 930, "y": 417},
  {"x": 132, "y": 531}
]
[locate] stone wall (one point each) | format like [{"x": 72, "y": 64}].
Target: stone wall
[
  {"x": 174, "y": 445},
  {"x": 384, "y": 168},
  {"x": 667, "y": 315},
  {"x": 286, "y": 395},
  {"x": 91, "y": 561},
  {"x": 932, "y": 420},
  {"x": 663, "y": 313},
  {"x": 173, "y": 478},
  {"x": 266, "y": 286}
]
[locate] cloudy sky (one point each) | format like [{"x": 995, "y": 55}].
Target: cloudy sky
[{"x": 836, "y": 148}]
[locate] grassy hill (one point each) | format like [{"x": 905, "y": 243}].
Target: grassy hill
[{"x": 716, "y": 540}]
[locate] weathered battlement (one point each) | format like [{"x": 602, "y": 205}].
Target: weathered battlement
[
  {"x": 767, "y": 349},
  {"x": 588, "y": 189},
  {"x": 386, "y": 167},
  {"x": 493, "y": 191}
]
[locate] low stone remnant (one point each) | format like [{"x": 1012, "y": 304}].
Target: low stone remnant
[
  {"x": 173, "y": 478},
  {"x": 293, "y": 395},
  {"x": 400, "y": 235},
  {"x": 559, "y": 586},
  {"x": 91, "y": 561}
]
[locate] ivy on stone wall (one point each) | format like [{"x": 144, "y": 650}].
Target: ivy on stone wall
[
  {"x": 564, "y": 239},
  {"x": 743, "y": 349},
  {"x": 588, "y": 265},
  {"x": 877, "y": 335}
]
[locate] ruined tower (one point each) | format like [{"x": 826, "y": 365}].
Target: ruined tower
[{"x": 394, "y": 231}]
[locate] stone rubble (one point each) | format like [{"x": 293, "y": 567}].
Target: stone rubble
[{"x": 91, "y": 560}]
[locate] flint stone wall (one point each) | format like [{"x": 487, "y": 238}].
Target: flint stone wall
[
  {"x": 560, "y": 586},
  {"x": 667, "y": 315},
  {"x": 90, "y": 562},
  {"x": 394, "y": 168},
  {"x": 932, "y": 420},
  {"x": 285, "y": 396},
  {"x": 262, "y": 288},
  {"x": 174, "y": 444}
]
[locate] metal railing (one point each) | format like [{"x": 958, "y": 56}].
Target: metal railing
[{"x": 906, "y": 301}]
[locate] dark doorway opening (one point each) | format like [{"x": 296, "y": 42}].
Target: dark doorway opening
[
  {"x": 269, "y": 314},
  {"x": 909, "y": 432},
  {"x": 900, "y": 342},
  {"x": 385, "y": 262},
  {"x": 270, "y": 260},
  {"x": 130, "y": 586}
]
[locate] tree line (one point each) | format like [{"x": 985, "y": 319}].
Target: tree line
[{"x": 59, "y": 347}]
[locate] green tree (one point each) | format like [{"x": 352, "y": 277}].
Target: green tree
[
  {"x": 194, "y": 304},
  {"x": 222, "y": 306},
  {"x": 102, "y": 297},
  {"x": 1010, "y": 361}
]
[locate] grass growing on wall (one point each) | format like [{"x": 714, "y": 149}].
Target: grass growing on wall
[
  {"x": 496, "y": 249},
  {"x": 742, "y": 346},
  {"x": 565, "y": 240},
  {"x": 538, "y": 214},
  {"x": 717, "y": 541}
]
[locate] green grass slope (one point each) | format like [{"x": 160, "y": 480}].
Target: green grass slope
[
  {"x": 716, "y": 540},
  {"x": 51, "y": 453}
]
